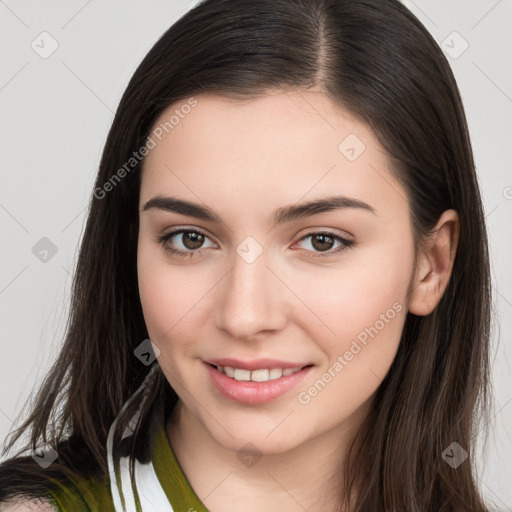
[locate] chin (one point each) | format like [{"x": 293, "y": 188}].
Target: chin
[{"x": 267, "y": 440}]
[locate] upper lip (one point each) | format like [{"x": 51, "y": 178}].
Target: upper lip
[{"x": 256, "y": 364}]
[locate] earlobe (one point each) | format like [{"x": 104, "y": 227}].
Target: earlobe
[{"x": 435, "y": 265}]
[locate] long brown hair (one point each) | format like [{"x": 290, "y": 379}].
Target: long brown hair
[{"x": 378, "y": 61}]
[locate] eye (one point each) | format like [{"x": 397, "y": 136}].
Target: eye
[
  {"x": 188, "y": 242},
  {"x": 324, "y": 241}
]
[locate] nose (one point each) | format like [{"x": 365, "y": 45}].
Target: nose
[{"x": 252, "y": 299}]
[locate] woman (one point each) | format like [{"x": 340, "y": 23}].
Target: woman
[{"x": 282, "y": 295}]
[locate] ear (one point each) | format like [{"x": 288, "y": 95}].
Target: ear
[{"x": 435, "y": 265}]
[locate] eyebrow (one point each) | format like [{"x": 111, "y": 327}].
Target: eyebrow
[{"x": 284, "y": 214}]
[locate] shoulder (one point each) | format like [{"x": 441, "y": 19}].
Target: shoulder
[
  {"x": 27, "y": 505},
  {"x": 84, "y": 495},
  {"x": 59, "y": 488}
]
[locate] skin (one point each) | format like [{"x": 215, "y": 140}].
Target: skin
[{"x": 245, "y": 160}]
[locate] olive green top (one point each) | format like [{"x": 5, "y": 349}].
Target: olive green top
[{"x": 95, "y": 495}]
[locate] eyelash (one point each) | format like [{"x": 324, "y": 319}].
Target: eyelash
[{"x": 345, "y": 243}]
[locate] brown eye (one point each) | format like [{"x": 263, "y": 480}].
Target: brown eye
[
  {"x": 192, "y": 239},
  {"x": 322, "y": 242},
  {"x": 185, "y": 242},
  {"x": 328, "y": 243}
]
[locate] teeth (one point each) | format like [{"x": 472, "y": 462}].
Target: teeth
[
  {"x": 242, "y": 374},
  {"x": 262, "y": 375},
  {"x": 230, "y": 372},
  {"x": 275, "y": 373}
]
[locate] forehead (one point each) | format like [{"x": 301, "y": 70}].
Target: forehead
[{"x": 267, "y": 151}]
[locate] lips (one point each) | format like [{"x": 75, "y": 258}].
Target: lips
[{"x": 257, "y": 381}]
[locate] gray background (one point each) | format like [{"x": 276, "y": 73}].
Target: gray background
[{"x": 56, "y": 112}]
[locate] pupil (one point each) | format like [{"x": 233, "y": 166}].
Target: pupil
[
  {"x": 325, "y": 242},
  {"x": 195, "y": 240}
]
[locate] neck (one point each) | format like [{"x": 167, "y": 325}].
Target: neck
[{"x": 307, "y": 477}]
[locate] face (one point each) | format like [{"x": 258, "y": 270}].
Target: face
[{"x": 275, "y": 254}]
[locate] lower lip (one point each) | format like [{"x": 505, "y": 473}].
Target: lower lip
[{"x": 249, "y": 392}]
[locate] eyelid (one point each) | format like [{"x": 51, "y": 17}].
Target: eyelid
[
  {"x": 318, "y": 230},
  {"x": 345, "y": 243},
  {"x": 177, "y": 230}
]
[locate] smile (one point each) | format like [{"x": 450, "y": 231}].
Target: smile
[
  {"x": 256, "y": 386},
  {"x": 262, "y": 375}
]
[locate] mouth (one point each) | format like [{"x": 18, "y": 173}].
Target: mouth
[
  {"x": 265, "y": 381},
  {"x": 259, "y": 375}
]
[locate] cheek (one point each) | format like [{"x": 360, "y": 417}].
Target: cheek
[
  {"x": 167, "y": 293},
  {"x": 354, "y": 306},
  {"x": 362, "y": 307},
  {"x": 365, "y": 315},
  {"x": 176, "y": 305}
]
